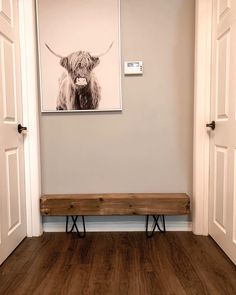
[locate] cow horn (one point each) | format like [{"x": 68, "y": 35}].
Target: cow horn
[
  {"x": 57, "y": 55},
  {"x": 106, "y": 50}
]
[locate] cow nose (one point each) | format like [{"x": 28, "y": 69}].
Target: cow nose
[{"x": 81, "y": 82}]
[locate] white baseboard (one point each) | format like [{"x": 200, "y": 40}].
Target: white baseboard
[{"x": 118, "y": 226}]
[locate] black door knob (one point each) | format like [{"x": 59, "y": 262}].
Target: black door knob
[
  {"x": 212, "y": 125},
  {"x": 21, "y": 128}
]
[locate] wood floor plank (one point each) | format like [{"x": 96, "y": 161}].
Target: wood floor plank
[
  {"x": 118, "y": 264},
  {"x": 211, "y": 264}
]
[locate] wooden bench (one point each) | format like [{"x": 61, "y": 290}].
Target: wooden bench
[{"x": 156, "y": 205}]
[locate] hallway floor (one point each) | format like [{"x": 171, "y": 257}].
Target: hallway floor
[{"x": 118, "y": 263}]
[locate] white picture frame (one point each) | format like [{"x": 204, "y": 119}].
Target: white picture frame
[{"x": 80, "y": 67}]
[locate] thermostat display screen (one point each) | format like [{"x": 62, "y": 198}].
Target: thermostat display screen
[{"x": 133, "y": 64}]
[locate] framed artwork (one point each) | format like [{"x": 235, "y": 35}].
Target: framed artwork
[{"x": 79, "y": 55}]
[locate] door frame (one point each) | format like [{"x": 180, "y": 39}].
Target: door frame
[
  {"x": 30, "y": 100},
  {"x": 30, "y": 95},
  {"x": 202, "y": 98}
]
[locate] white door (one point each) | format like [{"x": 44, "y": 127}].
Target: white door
[
  {"x": 12, "y": 192},
  {"x": 222, "y": 222}
]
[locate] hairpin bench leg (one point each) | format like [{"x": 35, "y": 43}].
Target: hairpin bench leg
[
  {"x": 156, "y": 224},
  {"x": 74, "y": 225}
]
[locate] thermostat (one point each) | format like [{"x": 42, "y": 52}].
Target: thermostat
[{"x": 133, "y": 67}]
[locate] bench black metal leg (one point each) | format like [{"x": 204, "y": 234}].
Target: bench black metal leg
[
  {"x": 156, "y": 219},
  {"x": 74, "y": 226}
]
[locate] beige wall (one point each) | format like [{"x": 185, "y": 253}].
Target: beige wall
[{"x": 147, "y": 147}]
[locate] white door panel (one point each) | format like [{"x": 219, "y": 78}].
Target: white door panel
[
  {"x": 223, "y": 138},
  {"x": 12, "y": 190},
  {"x": 6, "y": 10}
]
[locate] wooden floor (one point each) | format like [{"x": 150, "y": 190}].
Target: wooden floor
[{"x": 118, "y": 263}]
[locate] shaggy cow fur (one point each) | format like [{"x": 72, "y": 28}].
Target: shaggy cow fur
[
  {"x": 78, "y": 86},
  {"x": 72, "y": 95}
]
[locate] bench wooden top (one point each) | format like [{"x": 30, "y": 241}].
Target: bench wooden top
[
  {"x": 115, "y": 204},
  {"x": 123, "y": 196}
]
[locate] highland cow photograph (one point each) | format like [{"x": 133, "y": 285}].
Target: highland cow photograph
[{"x": 79, "y": 48}]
